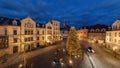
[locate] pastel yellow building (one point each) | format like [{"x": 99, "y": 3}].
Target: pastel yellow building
[
  {"x": 15, "y": 35},
  {"x": 113, "y": 35}
]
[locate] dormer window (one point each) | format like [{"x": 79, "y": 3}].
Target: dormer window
[
  {"x": 14, "y": 22},
  {"x": 103, "y": 30},
  {"x": 43, "y": 25},
  {"x": 92, "y": 30},
  {"x": 97, "y": 30},
  {"x": 38, "y": 25}
]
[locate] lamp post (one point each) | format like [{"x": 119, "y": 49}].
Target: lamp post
[{"x": 115, "y": 49}]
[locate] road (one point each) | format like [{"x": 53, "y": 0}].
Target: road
[
  {"x": 101, "y": 58},
  {"x": 45, "y": 57}
]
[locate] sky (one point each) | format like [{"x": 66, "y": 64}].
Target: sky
[{"x": 75, "y": 12}]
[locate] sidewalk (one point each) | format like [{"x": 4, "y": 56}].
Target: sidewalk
[
  {"x": 15, "y": 58},
  {"x": 109, "y": 50}
]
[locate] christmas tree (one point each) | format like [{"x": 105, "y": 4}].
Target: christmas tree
[{"x": 73, "y": 46}]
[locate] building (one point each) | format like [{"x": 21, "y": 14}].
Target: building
[
  {"x": 96, "y": 33},
  {"x": 113, "y": 35},
  {"x": 82, "y": 34},
  {"x": 52, "y": 32},
  {"x": 17, "y": 35},
  {"x": 65, "y": 31}
]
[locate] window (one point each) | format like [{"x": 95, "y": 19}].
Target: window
[
  {"x": 15, "y": 32},
  {"x": 43, "y": 37},
  {"x": 25, "y": 39},
  {"x": 14, "y": 23},
  {"x": 25, "y": 32},
  {"x": 3, "y": 42},
  {"x": 49, "y": 32},
  {"x": 5, "y": 31},
  {"x": 31, "y": 32},
  {"x": 37, "y": 38},
  {"x": 31, "y": 38},
  {"x": 42, "y": 32},
  {"x": 38, "y": 32},
  {"x": 49, "y": 27},
  {"x": 15, "y": 40},
  {"x": 28, "y": 32}
]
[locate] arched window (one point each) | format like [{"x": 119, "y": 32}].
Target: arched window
[
  {"x": 103, "y": 30},
  {"x": 97, "y": 30},
  {"x": 14, "y": 22},
  {"x": 92, "y": 30}
]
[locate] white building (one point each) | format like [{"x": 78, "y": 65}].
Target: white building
[
  {"x": 15, "y": 35},
  {"x": 113, "y": 36},
  {"x": 52, "y": 31}
]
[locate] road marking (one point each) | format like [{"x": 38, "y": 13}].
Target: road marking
[{"x": 91, "y": 60}]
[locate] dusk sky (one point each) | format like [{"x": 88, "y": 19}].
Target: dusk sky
[{"x": 74, "y": 12}]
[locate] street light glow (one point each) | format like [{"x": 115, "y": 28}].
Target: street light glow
[
  {"x": 70, "y": 61},
  {"x": 114, "y": 48}
]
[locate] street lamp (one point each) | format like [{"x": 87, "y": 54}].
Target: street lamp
[{"x": 115, "y": 50}]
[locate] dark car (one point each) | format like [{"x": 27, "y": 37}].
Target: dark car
[
  {"x": 58, "y": 61},
  {"x": 90, "y": 49}
]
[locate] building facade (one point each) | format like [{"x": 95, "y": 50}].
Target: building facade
[
  {"x": 17, "y": 35},
  {"x": 95, "y": 33},
  {"x": 65, "y": 31},
  {"x": 113, "y": 35},
  {"x": 82, "y": 34},
  {"x": 52, "y": 32}
]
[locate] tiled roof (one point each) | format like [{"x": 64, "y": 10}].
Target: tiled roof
[
  {"x": 97, "y": 26},
  {"x": 8, "y": 21},
  {"x": 39, "y": 25}
]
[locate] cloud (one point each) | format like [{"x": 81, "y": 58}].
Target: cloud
[{"x": 75, "y": 12}]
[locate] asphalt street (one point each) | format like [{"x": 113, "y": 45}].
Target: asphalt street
[
  {"x": 101, "y": 58},
  {"x": 45, "y": 57}
]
